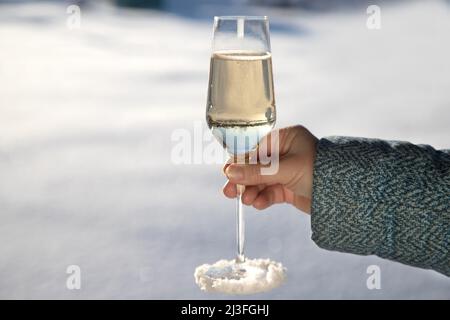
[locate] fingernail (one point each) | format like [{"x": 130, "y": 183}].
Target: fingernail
[
  {"x": 225, "y": 168},
  {"x": 234, "y": 173}
]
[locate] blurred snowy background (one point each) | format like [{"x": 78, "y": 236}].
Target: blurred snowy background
[{"x": 86, "y": 117}]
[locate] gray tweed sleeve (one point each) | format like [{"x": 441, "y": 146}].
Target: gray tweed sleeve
[{"x": 386, "y": 198}]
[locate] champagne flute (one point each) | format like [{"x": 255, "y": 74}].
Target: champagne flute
[{"x": 241, "y": 104}]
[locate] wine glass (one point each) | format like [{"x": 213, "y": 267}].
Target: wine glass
[{"x": 241, "y": 105}]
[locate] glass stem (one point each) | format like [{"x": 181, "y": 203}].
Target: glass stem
[{"x": 240, "y": 224}]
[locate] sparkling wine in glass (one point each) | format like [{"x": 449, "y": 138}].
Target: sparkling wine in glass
[{"x": 240, "y": 111}]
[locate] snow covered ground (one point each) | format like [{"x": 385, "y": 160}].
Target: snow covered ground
[{"x": 86, "y": 118}]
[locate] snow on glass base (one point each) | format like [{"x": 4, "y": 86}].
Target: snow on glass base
[{"x": 248, "y": 277}]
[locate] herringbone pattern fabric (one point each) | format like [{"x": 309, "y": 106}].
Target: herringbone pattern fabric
[{"x": 387, "y": 198}]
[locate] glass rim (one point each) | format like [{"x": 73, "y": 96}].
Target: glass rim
[{"x": 261, "y": 18}]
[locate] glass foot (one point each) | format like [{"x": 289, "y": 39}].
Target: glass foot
[{"x": 232, "y": 277}]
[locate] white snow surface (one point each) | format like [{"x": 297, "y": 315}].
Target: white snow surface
[{"x": 86, "y": 121}]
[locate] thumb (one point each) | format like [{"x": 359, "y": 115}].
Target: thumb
[{"x": 289, "y": 169}]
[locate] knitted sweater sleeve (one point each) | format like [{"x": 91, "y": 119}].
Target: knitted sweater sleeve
[{"x": 387, "y": 198}]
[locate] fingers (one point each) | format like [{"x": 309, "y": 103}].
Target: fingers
[
  {"x": 278, "y": 140},
  {"x": 249, "y": 195},
  {"x": 269, "y": 196},
  {"x": 285, "y": 171},
  {"x": 260, "y": 197},
  {"x": 229, "y": 190},
  {"x": 225, "y": 166},
  {"x": 286, "y": 178}
]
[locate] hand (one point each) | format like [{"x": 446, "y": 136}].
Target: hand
[{"x": 292, "y": 183}]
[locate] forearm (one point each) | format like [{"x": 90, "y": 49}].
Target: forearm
[{"x": 387, "y": 198}]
